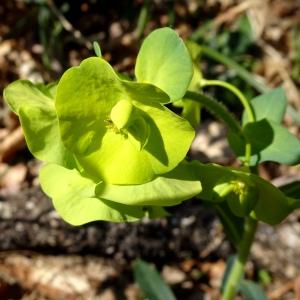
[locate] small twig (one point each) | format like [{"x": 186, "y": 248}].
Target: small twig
[
  {"x": 283, "y": 289},
  {"x": 3, "y": 133},
  {"x": 297, "y": 288},
  {"x": 13, "y": 142},
  {"x": 68, "y": 26},
  {"x": 231, "y": 13}
]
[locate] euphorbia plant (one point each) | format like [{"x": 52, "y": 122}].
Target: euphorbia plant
[{"x": 113, "y": 151}]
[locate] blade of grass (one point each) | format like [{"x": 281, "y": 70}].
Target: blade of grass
[
  {"x": 150, "y": 282},
  {"x": 143, "y": 19}
]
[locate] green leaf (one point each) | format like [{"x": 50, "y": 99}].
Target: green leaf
[
  {"x": 229, "y": 265},
  {"x": 291, "y": 189},
  {"x": 22, "y": 93},
  {"x": 272, "y": 205},
  {"x": 151, "y": 282},
  {"x": 195, "y": 52},
  {"x": 34, "y": 104},
  {"x": 271, "y": 106},
  {"x": 164, "y": 61},
  {"x": 264, "y": 277},
  {"x": 75, "y": 201},
  {"x": 48, "y": 89},
  {"x": 86, "y": 96},
  {"x": 190, "y": 111},
  {"x": 270, "y": 142},
  {"x": 251, "y": 290},
  {"x": 170, "y": 189}
]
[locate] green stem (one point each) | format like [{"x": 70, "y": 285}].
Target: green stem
[
  {"x": 245, "y": 103},
  {"x": 244, "y": 74},
  {"x": 235, "y": 91},
  {"x": 216, "y": 108},
  {"x": 238, "y": 268}
]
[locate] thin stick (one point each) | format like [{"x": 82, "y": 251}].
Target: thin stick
[{"x": 68, "y": 26}]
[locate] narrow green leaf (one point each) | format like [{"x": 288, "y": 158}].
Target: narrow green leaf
[
  {"x": 143, "y": 18},
  {"x": 97, "y": 49},
  {"x": 229, "y": 265},
  {"x": 251, "y": 290},
  {"x": 264, "y": 277},
  {"x": 151, "y": 282},
  {"x": 164, "y": 61}
]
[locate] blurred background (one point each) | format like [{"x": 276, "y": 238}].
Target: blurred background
[{"x": 41, "y": 257}]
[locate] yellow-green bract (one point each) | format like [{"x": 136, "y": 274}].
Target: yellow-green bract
[
  {"x": 95, "y": 130},
  {"x": 118, "y": 130},
  {"x": 100, "y": 116}
]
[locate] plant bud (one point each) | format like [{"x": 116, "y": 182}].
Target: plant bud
[{"x": 120, "y": 113}]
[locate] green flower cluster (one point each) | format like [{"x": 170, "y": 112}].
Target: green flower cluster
[{"x": 112, "y": 150}]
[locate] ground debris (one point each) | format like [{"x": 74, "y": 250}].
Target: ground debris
[{"x": 58, "y": 277}]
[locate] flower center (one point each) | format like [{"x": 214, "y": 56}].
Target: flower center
[{"x": 121, "y": 113}]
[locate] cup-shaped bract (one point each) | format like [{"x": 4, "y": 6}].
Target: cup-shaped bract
[
  {"x": 164, "y": 61},
  {"x": 118, "y": 130},
  {"x": 34, "y": 104},
  {"x": 75, "y": 200},
  {"x": 79, "y": 200}
]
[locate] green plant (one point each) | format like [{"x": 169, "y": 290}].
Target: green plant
[{"x": 113, "y": 150}]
